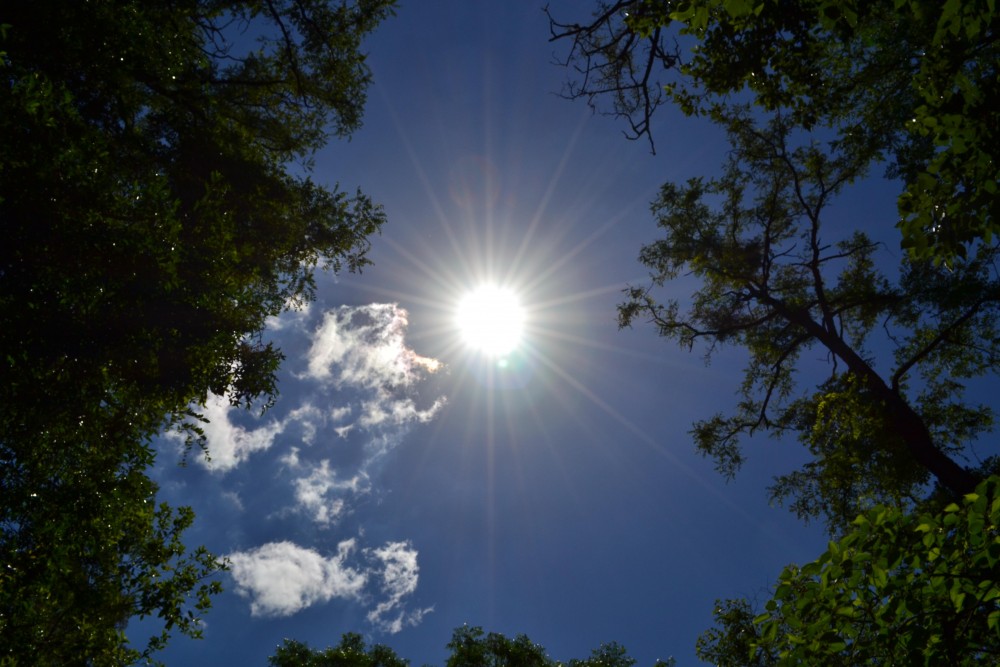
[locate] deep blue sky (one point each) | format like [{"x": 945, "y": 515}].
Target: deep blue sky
[{"x": 560, "y": 497}]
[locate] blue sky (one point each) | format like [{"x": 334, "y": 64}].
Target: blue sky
[{"x": 404, "y": 484}]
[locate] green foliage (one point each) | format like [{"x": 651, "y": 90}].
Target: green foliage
[
  {"x": 858, "y": 458},
  {"x": 350, "y": 652},
  {"x": 152, "y": 219},
  {"x": 735, "y": 640},
  {"x": 773, "y": 284},
  {"x": 899, "y": 589},
  {"x": 470, "y": 647},
  {"x": 81, "y": 531},
  {"x": 911, "y": 84},
  {"x": 916, "y": 81},
  {"x": 613, "y": 655}
]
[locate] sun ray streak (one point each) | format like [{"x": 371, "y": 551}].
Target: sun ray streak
[
  {"x": 439, "y": 211},
  {"x": 559, "y": 263},
  {"x": 646, "y": 439},
  {"x": 536, "y": 220}
]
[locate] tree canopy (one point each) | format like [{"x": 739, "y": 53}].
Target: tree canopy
[
  {"x": 843, "y": 92},
  {"x": 777, "y": 282},
  {"x": 352, "y": 651},
  {"x": 814, "y": 94},
  {"x": 912, "y": 81},
  {"x": 470, "y": 646},
  {"x": 899, "y": 589},
  {"x": 156, "y": 209}
]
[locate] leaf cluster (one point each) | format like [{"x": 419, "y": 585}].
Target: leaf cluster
[
  {"x": 858, "y": 460},
  {"x": 86, "y": 548},
  {"x": 900, "y": 588},
  {"x": 735, "y": 640}
]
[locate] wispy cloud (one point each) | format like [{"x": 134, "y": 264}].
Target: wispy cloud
[
  {"x": 395, "y": 412},
  {"x": 364, "y": 346},
  {"x": 313, "y": 491},
  {"x": 311, "y": 419},
  {"x": 359, "y": 355},
  {"x": 351, "y": 390},
  {"x": 398, "y": 580}
]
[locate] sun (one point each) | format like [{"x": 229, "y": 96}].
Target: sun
[{"x": 491, "y": 320}]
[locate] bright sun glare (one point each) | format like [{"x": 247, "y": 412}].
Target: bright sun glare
[{"x": 491, "y": 320}]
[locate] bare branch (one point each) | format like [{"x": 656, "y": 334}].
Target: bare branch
[{"x": 612, "y": 59}]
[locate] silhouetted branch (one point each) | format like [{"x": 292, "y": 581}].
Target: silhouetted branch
[{"x": 612, "y": 59}]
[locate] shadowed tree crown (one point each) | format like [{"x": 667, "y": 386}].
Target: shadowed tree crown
[{"x": 156, "y": 208}]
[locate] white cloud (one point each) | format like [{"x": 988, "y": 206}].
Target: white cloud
[
  {"x": 313, "y": 491},
  {"x": 364, "y": 346},
  {"x": 310, "y": 418},
  {"x": 380, "y": 445},
  {"x": 360, "y": 351},
  {"x": 294, "y": 314},
  {"x": 347, "y": 401},
  {"x": 341, "y": 413},
  {"x": 234, "y": 499},
  {"x": 398, "y": 580},
  {"x": 228, "y": 443},
  {"x": 395, "y": 412},
  {"x": 281, "y": 578},
  {"x": 291, "y": 459}
]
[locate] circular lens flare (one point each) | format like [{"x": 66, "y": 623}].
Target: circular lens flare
[{"x": 491, "y": 320}]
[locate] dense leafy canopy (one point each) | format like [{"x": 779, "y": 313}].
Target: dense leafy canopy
[
  {"x": 350, "y": 652},
  {"x": 899, "y": 589},
  {"x": 153, "y": 217},
  {"x": 470, "y": 647},
  {"x": 916, "y": 81}
]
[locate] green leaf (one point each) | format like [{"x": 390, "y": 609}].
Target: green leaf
[{"x": 739, "y": 8}]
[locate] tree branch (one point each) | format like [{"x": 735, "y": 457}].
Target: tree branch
[
  {"x": 608, "y": 65},
  {"x": 939, "y": 339},
  {"x": 903, "y": 417}
]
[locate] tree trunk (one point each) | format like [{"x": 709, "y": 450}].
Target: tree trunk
[{"x": 907, "y": 422}]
